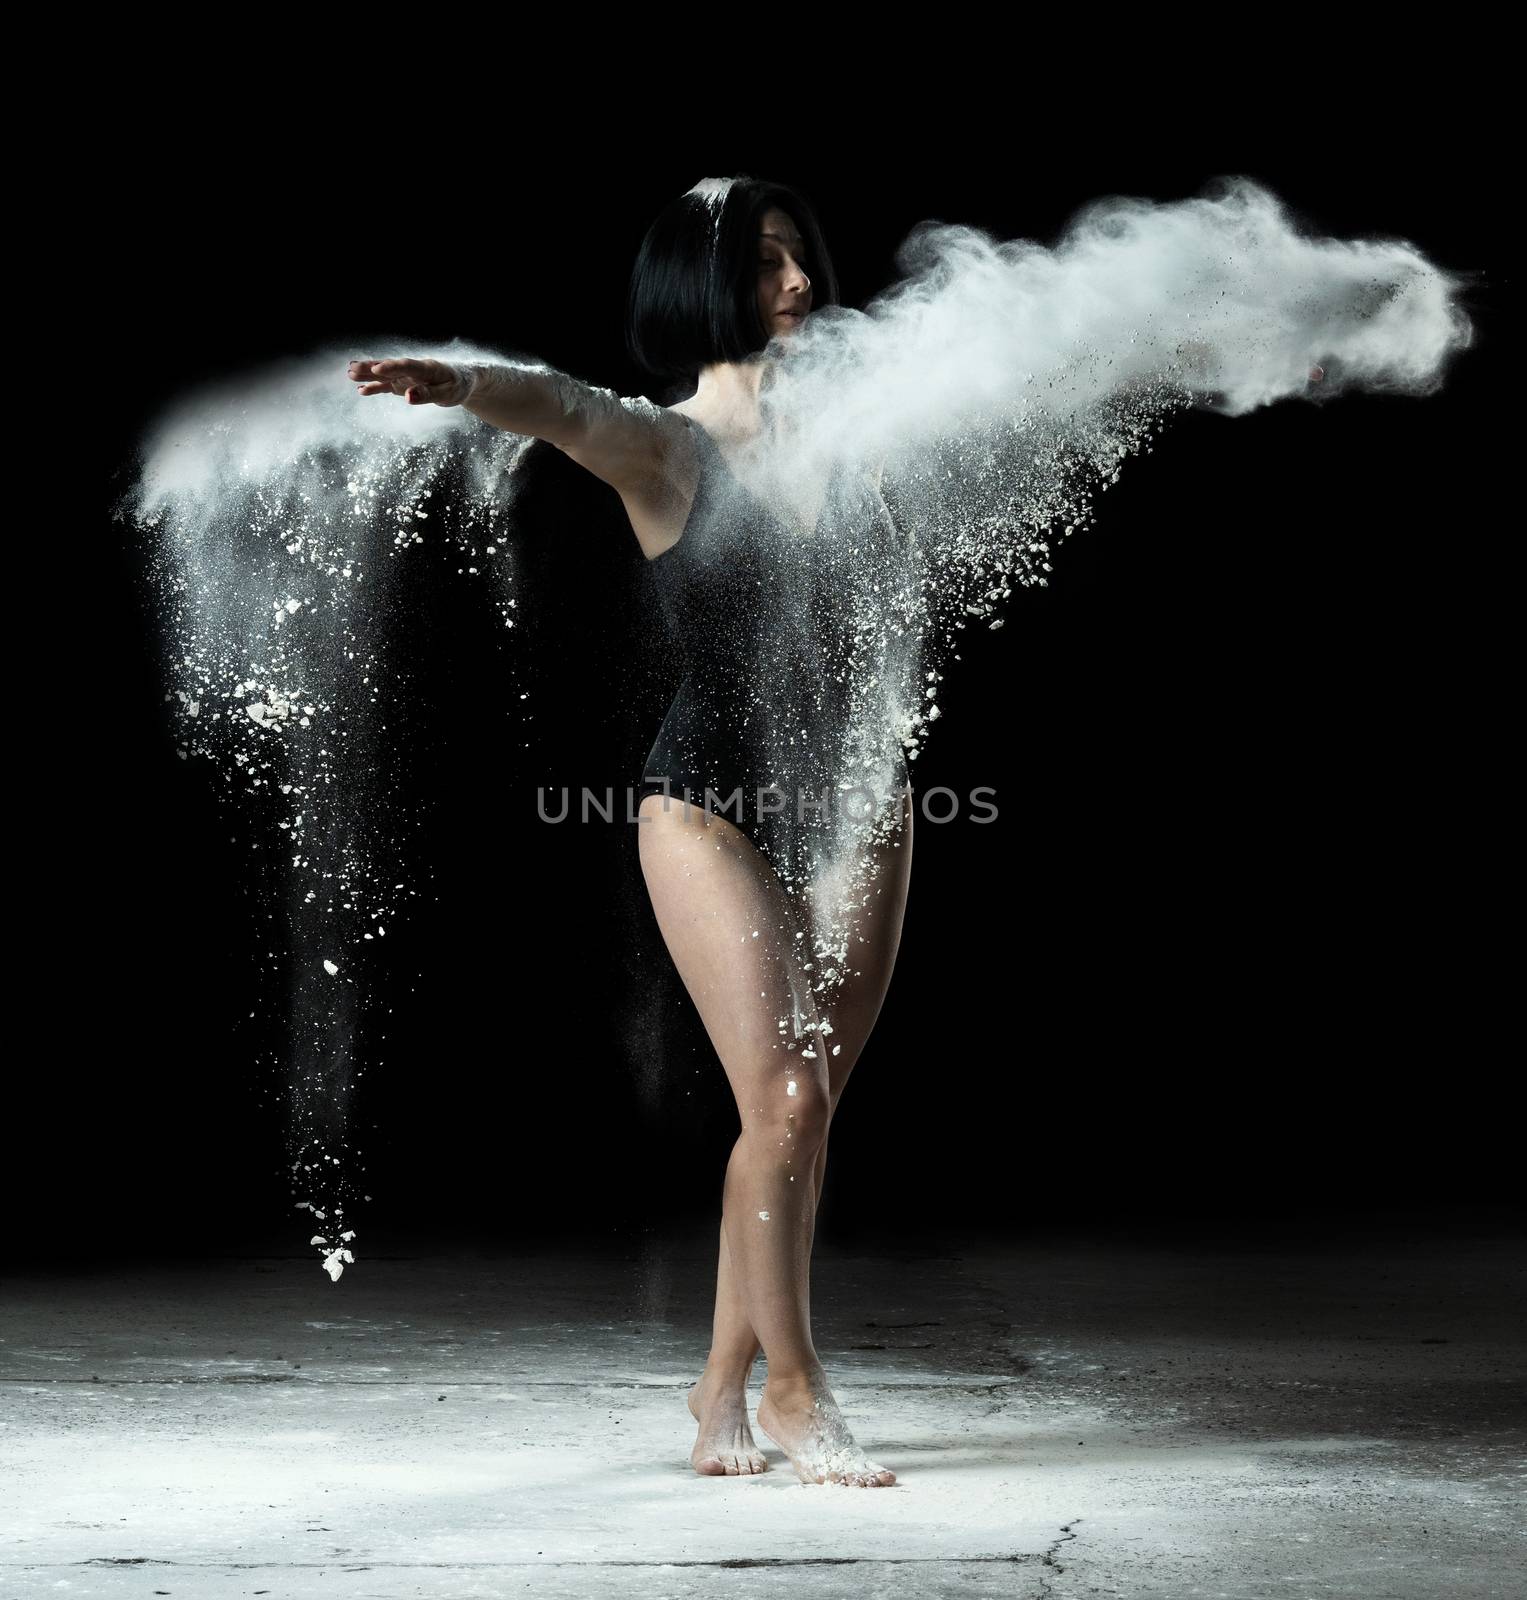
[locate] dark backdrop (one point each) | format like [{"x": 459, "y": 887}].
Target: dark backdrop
[{"x": 1227, "y": 958}]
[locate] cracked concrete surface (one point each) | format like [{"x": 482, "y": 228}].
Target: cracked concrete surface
[{"x": 1065, "y": 1419}]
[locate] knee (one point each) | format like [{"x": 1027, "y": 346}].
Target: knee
[{"x": 792, "y": 1115}]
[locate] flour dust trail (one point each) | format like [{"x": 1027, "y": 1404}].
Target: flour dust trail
[{"x": 964, "y": 423}]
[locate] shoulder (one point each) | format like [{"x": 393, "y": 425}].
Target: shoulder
[
  {"x": 627, "y": 441},
  {"x": 658, "y": 479}
]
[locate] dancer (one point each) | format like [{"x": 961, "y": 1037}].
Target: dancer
[{"x": 763, "y": 604}]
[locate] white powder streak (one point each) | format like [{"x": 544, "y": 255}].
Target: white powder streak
[{"x": 998, "y": 385}]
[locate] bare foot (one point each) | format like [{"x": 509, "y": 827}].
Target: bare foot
[
  {"x": 725, "y": 1446},
  {"x": 804, "y": 1421}
]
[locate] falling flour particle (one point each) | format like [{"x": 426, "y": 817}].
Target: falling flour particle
[
  {"x": 790, "y": 1087},
  {"x": 763, "y": 1216},
  {"x": 330, "y": 968},
  {"x": 836, "y": 1048},
  {"x": 336, "y": 1261},
  {"x": 318, "y": 1238}
]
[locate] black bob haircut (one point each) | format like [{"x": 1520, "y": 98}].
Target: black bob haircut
[{"x": 694, "y": 288}]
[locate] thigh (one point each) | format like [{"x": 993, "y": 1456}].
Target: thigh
[
  {"x": 738, "y": 941},
  {"x": 874, "y": 938}
]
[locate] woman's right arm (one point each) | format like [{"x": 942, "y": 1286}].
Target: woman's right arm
[{"x": 625, "y": 446}]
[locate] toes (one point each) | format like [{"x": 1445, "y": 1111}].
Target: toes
[
  {"x": 868, "y": 1478},
  {"x": 710, "y": 1466}
]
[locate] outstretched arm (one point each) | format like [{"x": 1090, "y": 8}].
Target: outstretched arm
[{"x": 619, "y": 443}]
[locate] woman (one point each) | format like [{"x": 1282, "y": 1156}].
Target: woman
[{"x": 726, "y": 270}]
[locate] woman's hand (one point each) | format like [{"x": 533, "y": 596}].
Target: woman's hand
[{"x": 419, "y": 380}]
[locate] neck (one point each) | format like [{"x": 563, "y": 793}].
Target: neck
[{"x": 727, "y": 394}]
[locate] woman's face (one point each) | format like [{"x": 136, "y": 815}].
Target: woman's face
[{"x": 784, "y": 290}]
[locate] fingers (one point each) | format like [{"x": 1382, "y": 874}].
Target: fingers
[
  {"x": 400, "y": 375},
  {"x": 403, "y": 367},
  {"x": 422, "y": 381},
  {"x": 365, "y": 373},
  {"x": 398, "y": 367}
]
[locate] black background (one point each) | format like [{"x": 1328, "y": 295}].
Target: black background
[{"x": 1231, "y": 956}]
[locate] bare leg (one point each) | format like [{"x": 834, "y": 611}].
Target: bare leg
[
  {"x": 695, "y": 895},
  {"x": 734, "y": 1345},
  {"x": 731, "y": 931},
  {"x": 799, "y": 1412},
  {"x": 718, "y": 1399}
]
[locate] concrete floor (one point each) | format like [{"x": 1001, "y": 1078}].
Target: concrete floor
[{"x": 1065, "y": 1420}]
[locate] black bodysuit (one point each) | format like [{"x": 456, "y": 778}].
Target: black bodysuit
[{"x": 790, "y": 647}]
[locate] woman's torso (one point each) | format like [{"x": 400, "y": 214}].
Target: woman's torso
[{"x": 787, "y": 639}]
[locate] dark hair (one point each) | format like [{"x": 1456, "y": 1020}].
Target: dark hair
[{"x": 694, "y": 297}]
